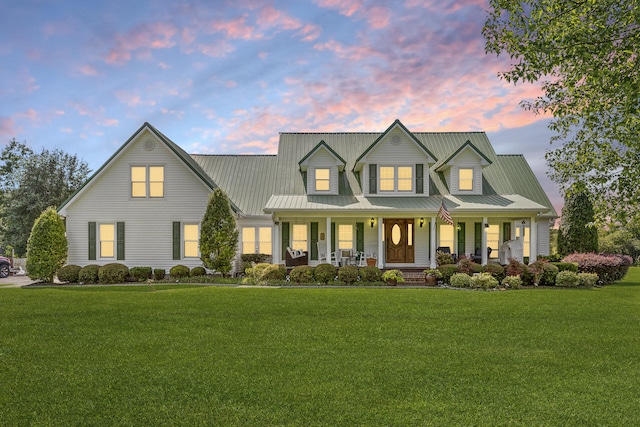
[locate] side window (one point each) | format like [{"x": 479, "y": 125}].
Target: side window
[
  {"x": 107, "y": 240},
  {"x": 147, "y": 181},
  {"x": 191, "y": 237}
]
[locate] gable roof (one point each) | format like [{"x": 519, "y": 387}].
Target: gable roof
[
  {"x": 442, "y": 165},
  {"x": 321, "y": 144},
  {"x": 179, "y": 152},
  {"x": 396, "y": 123}
]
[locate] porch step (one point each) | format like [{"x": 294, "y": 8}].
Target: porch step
[{"x": 413, "y": 276}]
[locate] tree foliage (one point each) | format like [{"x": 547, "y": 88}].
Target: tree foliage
[
  {"x": 577, "y": 232},
  {"x": 47, "y": 246},
  {"x": 586, "y": 55},
  {"x": 29, "y": 183},
  {"x": 218, "y": 233}
]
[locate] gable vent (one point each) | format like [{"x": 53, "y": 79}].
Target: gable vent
[
  {"x": 396, "y": 140},
  {"x": 149, "y": 145}
]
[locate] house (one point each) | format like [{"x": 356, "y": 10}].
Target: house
[{"x": 397, "y": 196}]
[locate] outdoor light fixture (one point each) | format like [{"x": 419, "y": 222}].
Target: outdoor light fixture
[
  {"x": 486, "y": 225},
  {"x": 421, "y": 222},
  {"x": 372, "y": 221}
]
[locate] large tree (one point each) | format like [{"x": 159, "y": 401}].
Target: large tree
[
  {"x": 218, "y": 233},
  {"x": 47, "y": 246},
  {"x": 577, "y": 232},
  {"x": 29, "y": 183},
  {"x": 586, "y": 55}
]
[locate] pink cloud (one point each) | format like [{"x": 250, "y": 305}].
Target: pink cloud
[
  {"x": 131, "y": 99},
  {"x": 7, "y": 127},
  {"x": 234, "y": 29},
  {"x": 309, "y": 32},
  {"x": 378, "y": 17},
  {"x": 109, "y": 122},
  {"x": 216, "y": 49},
  {"x": 157, "y": 35},
  {"x": 269, "y": 17},
  {"x": 89, "y": 70},
  {"x": 344, "y": 7}
]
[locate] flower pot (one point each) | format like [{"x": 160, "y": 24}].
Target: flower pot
[
  {"x": 392, "y": 282},
  {"x": 371, "y": 262},
  {"x": 431, "y": 280}
]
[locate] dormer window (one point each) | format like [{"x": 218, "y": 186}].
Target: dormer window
[
  {"x": 465, "y": 179},
  {"x": 396, "y": 178},
  {"x": 323, "y": 179}
]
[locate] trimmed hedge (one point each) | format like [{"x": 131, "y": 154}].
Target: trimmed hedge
[
  {"x": 496, "y": 270},
  {"x": 348, "y": 274},
  {"x": 69, "y": 273},
  {"x": 460, "y": 280},
  {"x": 197, "y": 271},
  {"x": 566, "y": 266},
  {"x": 448, "y": 271},
  {"x": 89, "y": 274},
  {"x": 301, "y": 274},
  {"x": 370, "y": 274},
  {"x": 325, "y": 273},
  {"x": 140, "y": 274},
  {"x": 273, "y": 272},
  {"x": 567, "y": 279},
  {"x": 179, "y": 271},
  {"x": 159, "y": 273},
  {"x": 609, "y": 268},
  {"x": 113, "y": 273}
]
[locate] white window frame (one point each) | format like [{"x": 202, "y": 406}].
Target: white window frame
[
  {"x": 148, "y": 184},
  {"x": 257, "y": 244},
  {"x": 466, "y": 180},
  {"x": 101, "y": 240},
  {"x": 397, "y": 179},
  {"x": 326, "y": 180}
]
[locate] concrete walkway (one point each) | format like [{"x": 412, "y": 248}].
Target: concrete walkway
[{"x": 15, "y": 282}]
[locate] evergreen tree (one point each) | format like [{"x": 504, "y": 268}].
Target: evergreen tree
[
  {"x": 218, "y": 233},
  {"x": 577, "y": 232},
  {"x": 47, "y": 246}
]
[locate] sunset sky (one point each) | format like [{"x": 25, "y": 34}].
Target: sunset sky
[{"x": 221, "y": 77}]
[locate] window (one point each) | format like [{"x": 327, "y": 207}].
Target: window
[
  {"x": 493, "y": 239},
  {"x": 526, "y": 242},
  {"x": 465, "y": 177},
  {"x": 396, "y": 178},
  {"x": 299, "y": 241},
  {"x": 249, "y": 243},
  {"x": 147, "y": 181},
  {"x": 107, "y": 240},
  {"x": 323, "y": 179},
  {"x": 191, "y": 235},
  {"x": 446, "y": 236},
  {"x": 345, "y": 236}
]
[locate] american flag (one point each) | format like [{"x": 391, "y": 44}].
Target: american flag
[{"x": 444, "y": 214}]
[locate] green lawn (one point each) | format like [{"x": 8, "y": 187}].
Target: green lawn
[{"x": 191, "y": 355}]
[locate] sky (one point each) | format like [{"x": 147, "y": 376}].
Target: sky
[{"x": 225, "y": 77}]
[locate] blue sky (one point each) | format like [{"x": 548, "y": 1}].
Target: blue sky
[{"x": 223, "y": 77}]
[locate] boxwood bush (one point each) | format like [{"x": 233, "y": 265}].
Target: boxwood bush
[
  {"x": 588, "y": 280},
  {"x": 302, "y": 274},
  {"x": 140, "y": 274},
  {"x": 113, "y": 273},
  {"x": 448, "y": 271},
  {"x": 197, "y": 271},
  {"x": 274, "y": 272},
  {"x": 370, "y": 274},
  {"x": 484, "y": 281},
  {"x": 460, "y": 280},
  {"x": 513, "y": 282},
  {"x": 179, "y": 271},
  {"x": 496, "y": 270},
  {"x": 159, "y": 273},
  {"x": 69, "y": 273},
  {"x": 348, "y": 274},
  {"x": 567, "y": 279},
  {"x": 325, "y": 273},
  {"x": 566, "y": 266},
  {"x": 89, "y": 274}
]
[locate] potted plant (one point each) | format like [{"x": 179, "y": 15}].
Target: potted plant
[
  {"x": 371, "y": 262},
  {"x": 432, "y": 276},
  {"x": 393, "y": 277}
]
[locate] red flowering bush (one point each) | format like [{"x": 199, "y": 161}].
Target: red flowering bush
[{"x": 608, "y": 267}]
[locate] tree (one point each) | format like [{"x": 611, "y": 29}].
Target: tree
[
  {"x": 218, "y": 233},
  {"x": 577, "y": 232},
  {"x": 47, "y": 246},
  {"x": 585, "y": 53},
  {"x": 29, "y": 183}
]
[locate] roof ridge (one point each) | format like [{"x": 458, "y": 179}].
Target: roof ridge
[{"x": 379, "y": 133}]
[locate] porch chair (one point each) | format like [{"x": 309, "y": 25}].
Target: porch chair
[
  {"x": 294, "y": 258},
  {"x": 322, "y": 254}
]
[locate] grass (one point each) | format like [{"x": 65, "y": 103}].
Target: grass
[{"x": 192, "y": 355}]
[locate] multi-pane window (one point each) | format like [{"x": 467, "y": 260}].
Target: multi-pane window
[
  {"x": 261, "y": 245},
  {"x": 493, "y": 239},
  {"x": 396, "y": 178},
  {"x": 299, "y": 239},
  {"x": 345, "y": 236},
  {"x": 191, "y": 235},
  {"x": 446, "y": 236},
  {"x": 465, "y": 179},
  {"x": 107, "y": 240},
  {"x": 147, "y": 181},
  {"x": 323, "y": 179}
]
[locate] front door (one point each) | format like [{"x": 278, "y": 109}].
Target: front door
[{"x": 399, "y": 240}]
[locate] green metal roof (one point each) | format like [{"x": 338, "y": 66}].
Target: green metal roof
[{"x": 443, "y": 163}]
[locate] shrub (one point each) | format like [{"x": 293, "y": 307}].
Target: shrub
[
  {"x": 113, "y": 273},
  {"x": 301, "y": 274},
  {"x": 370, "y": 274},
  {"x": 348, "y": 274},
  {"x": 566, "y": 266},
  {"x": 273, "y": 272},
  {"x": 515, "y": 268},
  {"x": 47, "y": 246},
  {"x": 469, "y": 267},
  {"x": 89, "y": 274},
  {"x": 159, "y": 273},
  {"x": 197, "y": 271},
  {"x": 567, "y": 279},
  {"x": 448, "y": 271},
  {"x": 484, "y": 281},
  {"x": 325, "y": 273},
  {"x": 254, "y": 258},
  {"x": 512, "y": 282},
  {"x": 443, "y": 258},
  {"x": 393, "y": 276},
  {"x": 69, "y": 273},
  {"x": 588, "y": 280},
  {"x": 544, "y": 273},
  {"x": 496, "y": 270},
  {"x": 140, "y": 274},
  {"x": 460, "y": 280},
  {"x": 179, "y": 271},
  {"x": 609, "y": 268}
]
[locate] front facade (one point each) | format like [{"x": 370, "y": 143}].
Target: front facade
[{"x": 396, "y": 196}]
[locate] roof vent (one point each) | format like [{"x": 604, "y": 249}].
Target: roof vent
[
  {"x": 149, "y": 145},
  {"x": 395, "y": 140}
]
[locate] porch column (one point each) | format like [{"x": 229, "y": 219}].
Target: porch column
[
  {"x": 432, "y": 246},
  {"x": 533, "y": 240},
  {"x": 329, "y": 240},
  {"x": 380, "y": 244},
  {"x": 275, "y": 245},
  {"x": 483, "y": 250}
]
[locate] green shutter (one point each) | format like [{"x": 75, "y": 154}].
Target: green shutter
[
  {"x": 120, "y": 240},
  {"x": 285, "y": 239},
  {"x": 176, "y": 240},
  {"x": 419, "y": 178},
  {"x": 314, "y": 240},
  {"x": 461, "y": 238},
  {"x": 92, "y": 240},
  {"x": 360, "y": 236},
  {"x": 333, "y": 237},
  {"x": 477, "y": 244},
  {"x": 506, "y": 231},
  {"x": 373, "y": 179}
]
